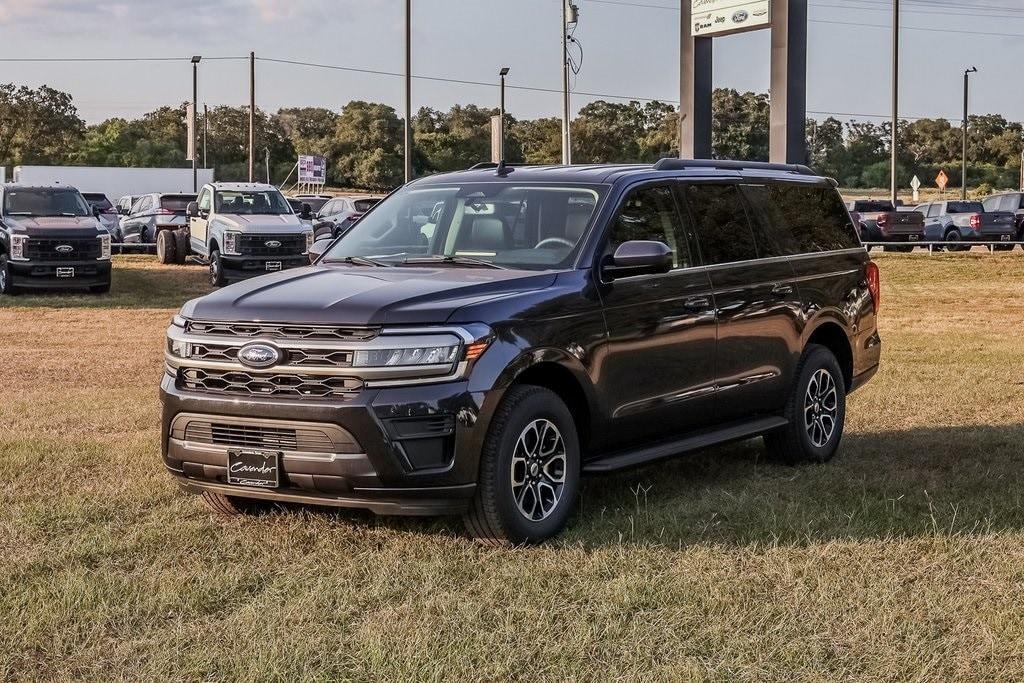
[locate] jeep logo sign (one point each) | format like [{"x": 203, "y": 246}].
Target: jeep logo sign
[
  {"x": 258, "y": 355},
  {"x": 722, "y": 17}
]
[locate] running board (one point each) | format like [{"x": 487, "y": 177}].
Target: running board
[
  {"x": 198, "y": 260},
  {"x": 734, "y": 432}
]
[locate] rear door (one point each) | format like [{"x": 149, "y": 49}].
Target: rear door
[
  {"x": 747, "y": 253},
  {"x": 657, "y": 369}
]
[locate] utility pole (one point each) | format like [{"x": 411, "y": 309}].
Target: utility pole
[
  {"x": 570, "y": 15},
  {"x": 963, "y": 176},
  {"x": 252, "y": 116},
  {"x": 408, "y": 90},
  {"x": 192, "y": 123},
  {"x": 895, "y": 94},
  {"x": 266, "y": 152},
  {"x": 206, "y": 130},
  {"x": 501, "y": 110}
]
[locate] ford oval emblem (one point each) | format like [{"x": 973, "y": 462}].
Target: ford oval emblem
[
  {"x": 259, "y": 355},
  {"x": 272, "y": 244},
  {"x": 65, "y": 248},
  {"x": 739, "y": 17}
]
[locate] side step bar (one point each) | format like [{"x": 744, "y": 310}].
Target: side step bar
[{"x": 734, "y": 432}]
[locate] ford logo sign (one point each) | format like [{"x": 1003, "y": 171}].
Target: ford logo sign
[
  {"x": 272, "y": 244},
  {"x": 259, "y": 355},
  {"x": 739, "y": 17},
  {"x": 65, "y": 249}
]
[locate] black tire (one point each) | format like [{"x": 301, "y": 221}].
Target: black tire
[
  {"x": 231, "y": 506},
  {"x": 181, "y": 247},
  {"x": 900, "y": 248},
  {"x": 1004, "y": 247},
  {"x": 166, "y": 248},
  {"x": 6, "y": 278},
  {"x": 799, "y": 441},
  {"x": 217, "y": 278},
  {"x": 496, "y": 517},
  {"x": 954, "y": 236}
]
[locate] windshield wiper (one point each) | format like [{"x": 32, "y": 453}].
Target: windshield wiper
[
  {"x": 452, "y": 260},
  {"x": 358, "y": 261}
]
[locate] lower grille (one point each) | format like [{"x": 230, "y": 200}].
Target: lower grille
[
  {"x": 250, "y": 384},
  {"x": 48, "y": 249},
  {"x": 227, "y": 432}
]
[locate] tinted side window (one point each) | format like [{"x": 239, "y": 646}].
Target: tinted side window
[
  {"x": 816, "y": 215},
  {"x": 720, "y": 220},
  {"x": 204, "y": 200},
  {"x": 934, "y": 210},
  {"x": 772, "y": 232},
  {"x": 650, "y": 213}
]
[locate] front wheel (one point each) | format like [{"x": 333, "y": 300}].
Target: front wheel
[
  {"x": 529, "y": 470},
  {"x": 229, "y": 506},
  {"x": 6, "y": 277},
  {"x": 816, "y": 411},
  {"x": 217, "y": 278}
]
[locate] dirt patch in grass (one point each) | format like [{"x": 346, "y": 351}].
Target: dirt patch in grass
[{"x": 901, "y": 560}]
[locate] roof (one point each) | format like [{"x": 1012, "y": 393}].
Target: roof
[
  {"x": 241, "y": 187},
  {"x": 609, "y": 173},
  {"x": 20, "y": 186}
]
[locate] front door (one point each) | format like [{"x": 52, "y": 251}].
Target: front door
[
  {"x": 656, "y": 373},
  {"x": 198, "y": 225}
]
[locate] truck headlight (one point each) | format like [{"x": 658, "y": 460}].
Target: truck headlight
[
  {"x": 18, "y": 247},
  {"x": 105, "y": 246},
  {"x": 181, "y": 349},
  {"x": 179, "y": 321},
  {"x": 230, "y": 243},
  {"x": 415, "y": 355},
  {"x": 309, "y": 240}
]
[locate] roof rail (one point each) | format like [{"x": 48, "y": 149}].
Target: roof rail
[
  {"x": 669, "y": 164},
  {"x": 484, "y": 164}
]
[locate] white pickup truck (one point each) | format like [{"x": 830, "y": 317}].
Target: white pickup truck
[{"x": 246, "y": 229}]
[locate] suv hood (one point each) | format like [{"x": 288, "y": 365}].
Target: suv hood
[
  {"x": 356, "y": 295},
  {"x": 260, "y": 223},
  {"x": 67, "y": 226}
]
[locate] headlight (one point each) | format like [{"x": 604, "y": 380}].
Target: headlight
[
  {"x": 179, "y": 321},
  {"x": 178, "y": 348},
  {"x": 229, "y": 242},
  {"x": 309, "y": 241},
  {"x": 105, "y": 246},
  {"x": 18, "y": 247},
  {"x": 416, "y": 355}
]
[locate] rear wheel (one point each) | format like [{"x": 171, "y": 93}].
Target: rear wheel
[
  {"x": 217, "y": 278},
  {"x": 166, "y": 247},
  {"x": 954, "y": 236},
  {"x": 816, "y": 411},
  {"x": 181, "y": 248},
  {"x": 6, "y": 277},
  {"x": 1004, "y": 247},
  {"x": 229, "y": 506},
  {"x": 529, "y": 470}
]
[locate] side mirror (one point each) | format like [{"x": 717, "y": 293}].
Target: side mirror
[
  {"x": 307, "y": 211},
  {"x": 192, "y": 210},
  {"x": 639, "y": 257},
  {"x": 319, "y": 247}
]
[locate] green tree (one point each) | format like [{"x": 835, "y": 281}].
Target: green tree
[{"x": 37, "y": 126}]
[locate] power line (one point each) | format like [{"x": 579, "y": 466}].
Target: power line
[{"x": 113, "y": 59}]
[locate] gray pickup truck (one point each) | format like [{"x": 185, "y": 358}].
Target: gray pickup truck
[
  {"x": 880, "y": 221},
  {"x": 967, "y": 222}
]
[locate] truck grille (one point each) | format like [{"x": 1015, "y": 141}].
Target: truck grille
[
  {"x": 294, "y": 357},
  {"x": 50, "y": 249},
  {"x": 271, "y": 245},
  {"x": 272, "y": 331},
  {"x": 305, "y": 439},
  {"x": 239, "y": 382}
]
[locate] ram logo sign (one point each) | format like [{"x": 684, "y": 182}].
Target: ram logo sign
[{"x": 722, "y": 17}]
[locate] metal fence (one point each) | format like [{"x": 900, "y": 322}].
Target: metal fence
[{"x": 961, "y": 246}]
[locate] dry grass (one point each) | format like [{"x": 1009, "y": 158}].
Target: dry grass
[{"x": 902, "y": 560}]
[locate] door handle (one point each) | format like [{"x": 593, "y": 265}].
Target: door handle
[
  {"x": 782, "y": 290},
  {"x": 697, "y": 303}
]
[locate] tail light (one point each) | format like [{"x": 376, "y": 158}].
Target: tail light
[
  {"x": 976, "y": 222},
  {"x": 874, "y": 284},
  {"x": 883, "y": 221}
]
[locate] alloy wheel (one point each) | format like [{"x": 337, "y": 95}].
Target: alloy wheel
[
  {"x": 538, "y": 470},
  {"x": 821, "y": 408}
]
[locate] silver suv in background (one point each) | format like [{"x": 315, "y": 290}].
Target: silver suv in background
[
  {"x": 154, "y": 214},
  {"x": 339, "y": 214},
  {"x": 104, "y": 211}
]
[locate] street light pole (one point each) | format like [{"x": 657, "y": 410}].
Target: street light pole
[
  {"x": 252, "y": 117},
  {"x": 963, "y": 176},
  {"x": 501, "y": 111},
  {"x": 570, "y": 15},
  {"x": 192, "y": 123},
  {"x": 895, "y": 94}
]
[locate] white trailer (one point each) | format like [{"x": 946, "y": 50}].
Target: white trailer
[{"x": 111, "y": 181}]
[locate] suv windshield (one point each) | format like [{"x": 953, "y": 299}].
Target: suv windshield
[
  {"x": 250, "y": 202},
  {"x": 45, "y": 202},
  {"x": 531, "y": 226}
]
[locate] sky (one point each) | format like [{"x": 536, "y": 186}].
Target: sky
[{"x": 630, "y": 49}]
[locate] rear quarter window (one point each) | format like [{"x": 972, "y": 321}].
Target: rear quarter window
[{"x": 816, "y": 216}]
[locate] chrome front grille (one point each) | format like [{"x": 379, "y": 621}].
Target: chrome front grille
[
  {"x": 240, "y": 382},
  {"x": 272, "y": 331},
  {"x": 294, "y": 357}
]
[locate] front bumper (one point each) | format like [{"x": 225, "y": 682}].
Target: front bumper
[
  {"x": 238, "y": 267},
  {"x": 44, "y": 274},
  {"x": 408, "y": 450}
]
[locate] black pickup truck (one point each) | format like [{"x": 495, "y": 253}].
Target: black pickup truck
[
  {"x": 50, "y": 238},
  {"x": 880, "y": 221}
]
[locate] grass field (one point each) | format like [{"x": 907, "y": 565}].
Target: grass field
[{"x": 902, "y": 560}]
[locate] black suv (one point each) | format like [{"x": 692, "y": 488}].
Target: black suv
[
  {"x": 480, "y": 339},
  {"x": 51, "y": 238}
]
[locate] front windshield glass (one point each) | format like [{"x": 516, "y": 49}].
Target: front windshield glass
[
  {"x": 45, "y": 202},
  {"x": 251, "y": 202},
  {"x": 531, "y": 226}
]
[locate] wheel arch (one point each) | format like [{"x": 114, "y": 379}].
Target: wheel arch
[{"x": 833, "y": 335}]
